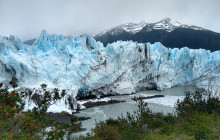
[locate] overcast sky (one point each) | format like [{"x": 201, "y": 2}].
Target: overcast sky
[{"x": 26, "y": 18}]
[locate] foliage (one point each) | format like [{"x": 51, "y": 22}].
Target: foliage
[
  {"x": 106, "y": 132},
  {"x": 33, "y": 124},
  {"x": 200, "y": 125},
  {"x": 200, "y": 101},
  {"x": 197, "y": 117}
]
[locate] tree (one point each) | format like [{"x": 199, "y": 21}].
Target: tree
[{"x": 33, "y": 124}]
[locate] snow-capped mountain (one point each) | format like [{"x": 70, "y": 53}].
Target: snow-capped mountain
[
  {"x": 82, "y": 64},
  {"x": 129, "y": 27},
  {"x": 169, "y": 25},
  {"x": 169, "y": 32},
  {"x": 166, "y": 24}
]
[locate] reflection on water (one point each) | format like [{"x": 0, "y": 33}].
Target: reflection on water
[{"x": 164, "y": 105}]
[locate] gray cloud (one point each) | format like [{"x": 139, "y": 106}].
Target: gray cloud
[{"x": 26, "y": 18}]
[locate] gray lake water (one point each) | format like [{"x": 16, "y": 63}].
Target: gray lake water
[{"x": 164, "y": 104}]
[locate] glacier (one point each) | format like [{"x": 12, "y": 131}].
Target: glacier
[{"x": 86, "y": 67}]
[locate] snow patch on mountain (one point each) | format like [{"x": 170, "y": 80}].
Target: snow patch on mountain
[
  {"x": 165, "y": 24},
  {"x": 129, "y": 27}
]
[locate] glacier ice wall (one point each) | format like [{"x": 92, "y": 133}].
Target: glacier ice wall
[{"x": 83, "y": 64}]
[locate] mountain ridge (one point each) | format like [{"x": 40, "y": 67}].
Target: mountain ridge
[
  {"x": 167, "y": 24},
  {"x": 169, "y": 32}
]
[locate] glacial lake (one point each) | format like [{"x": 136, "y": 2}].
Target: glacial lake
[{"x": 163, "y": 104}]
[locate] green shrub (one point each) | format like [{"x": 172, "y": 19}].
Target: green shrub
[
  {"x": 106, "y": 132},
  {"x": 199, "y": 125},
  {"x": 200, "y": 101},
  {"x": 16, "y": 124},
  {"x": 112, "y": 122},
  {"x": 166, "y": 129}
]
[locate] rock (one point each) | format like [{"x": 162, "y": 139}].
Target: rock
[
  {"x": 145, "y": 127},
  {"x": 146, "y": 97}
]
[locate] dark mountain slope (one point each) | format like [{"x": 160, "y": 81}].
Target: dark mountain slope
[{"x": 168, "y": 33}]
